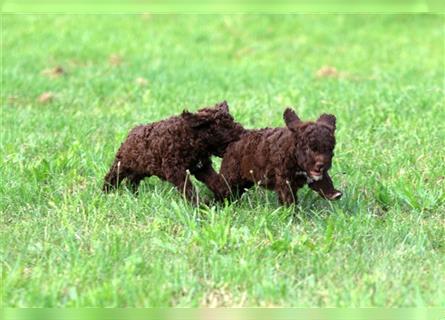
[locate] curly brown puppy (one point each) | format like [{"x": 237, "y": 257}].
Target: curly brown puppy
[
  {"x": 175, "y": 147},
  {"x": 283, "y": 159}
]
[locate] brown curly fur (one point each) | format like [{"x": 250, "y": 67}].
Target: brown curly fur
[
  {"x": 283, "y": 159},
  {"x": 175, "y": 147}
]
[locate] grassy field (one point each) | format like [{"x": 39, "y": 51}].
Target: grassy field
[{"x": 65, "y": 243}]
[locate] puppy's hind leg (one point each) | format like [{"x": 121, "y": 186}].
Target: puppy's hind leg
[
  {"x": 285, "y": 191},
  {"x": 180, "y": 177},
  {"x": 135, "y": 180}
]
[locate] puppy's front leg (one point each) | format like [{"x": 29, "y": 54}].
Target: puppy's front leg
[
  {"x": 205, "y": 173},
  {"x": 325, "y": 188}
]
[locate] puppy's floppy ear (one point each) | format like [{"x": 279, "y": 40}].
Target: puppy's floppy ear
[
  {"x": 223, "y": 107},
  {"x": 328, "y": 119},
  {"x": 291, "y": 119},
  {"x": 194, "y": 120}
]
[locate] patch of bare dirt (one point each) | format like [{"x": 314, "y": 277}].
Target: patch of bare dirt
[
  {"x": 222, "y": 297},
  {"x": 146, "y": 16},
  {"x": 334, "y": 73},
  {"x": 115, "y": 60},
  {"x": 142, "y": 82},
  {"x": 54, "y": 72},
  {"x": 217, "y": 297},
  {"x": 327, "y": 72},
  {"x": 46, "y": 97}
]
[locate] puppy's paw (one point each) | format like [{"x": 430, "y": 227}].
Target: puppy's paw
[{"x": 335, "y": 195}]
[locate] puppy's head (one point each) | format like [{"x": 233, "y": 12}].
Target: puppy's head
[
  {"x": 215, "y": 126},
  {"x": 315, "y": 142}
]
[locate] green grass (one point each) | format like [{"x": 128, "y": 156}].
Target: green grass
[{"x": 65, "y": 243}]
